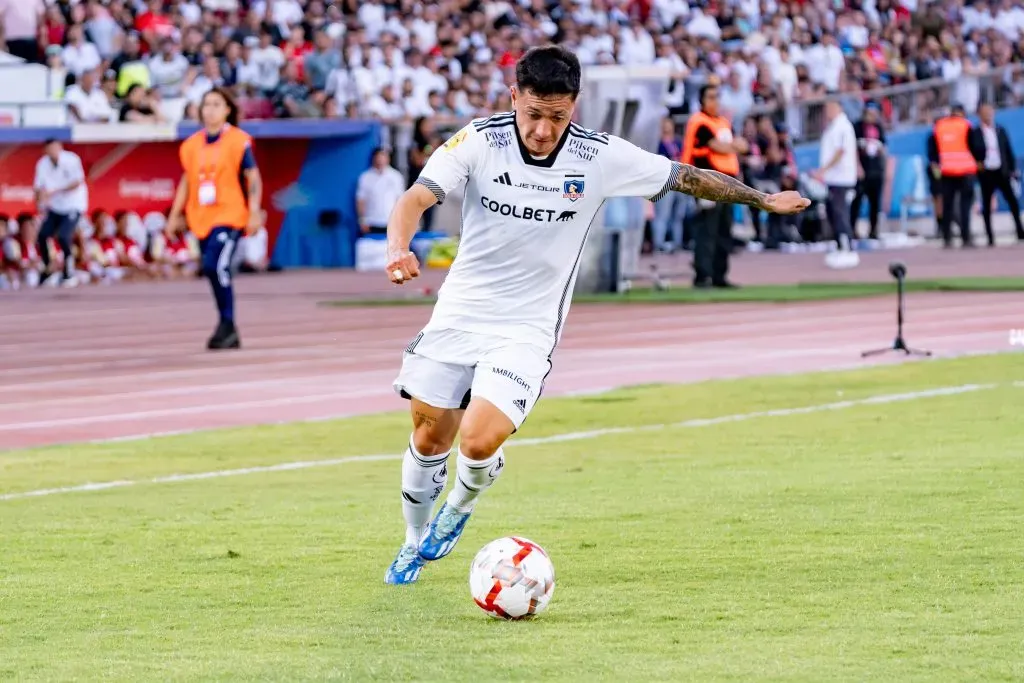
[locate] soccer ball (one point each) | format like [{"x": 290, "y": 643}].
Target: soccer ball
[{"x": 512, "y": 578}]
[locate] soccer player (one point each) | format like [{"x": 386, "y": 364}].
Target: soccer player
[
  {"x": 220, "y": 194},
  {"x": 535, "y": 181}
]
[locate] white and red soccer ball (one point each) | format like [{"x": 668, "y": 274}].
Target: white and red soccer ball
[{"x": 512, "y": 578}]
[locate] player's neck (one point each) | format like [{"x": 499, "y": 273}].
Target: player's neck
[{"x": 215, "y": 130}]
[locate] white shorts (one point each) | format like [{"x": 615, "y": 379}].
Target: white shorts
[{"x": 445, "y": 368}]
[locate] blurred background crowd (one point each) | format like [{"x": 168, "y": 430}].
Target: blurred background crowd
[
  {"x": 413, "y": 59},
  {"x": 426, "y": 67}
]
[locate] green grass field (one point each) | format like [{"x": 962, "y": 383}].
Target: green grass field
[
  {"x": 682, "y": 293},
  {"x": 861, "y": 541}
]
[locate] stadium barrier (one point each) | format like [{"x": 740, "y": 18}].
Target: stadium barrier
[{"x": 310, "y": 171}]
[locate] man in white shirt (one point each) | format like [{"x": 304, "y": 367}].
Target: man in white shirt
[
  {"x": 838, "y": 170},
  {"x": 62, "y": 194},
  {"x": 534, "y": 181},
  {"x": 379, "y": 189},
  {"x": 86, "y": 100}
]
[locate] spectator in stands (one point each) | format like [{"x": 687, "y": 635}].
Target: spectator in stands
[
  {"x": 79, "y": 55},
  {"x": 21, "y": 22},
  {"x": 291, "y": 95},
  {"x": 61, "y": 194},
  {"x": 130, "y": 67},
  {"x": 206, "y": 80},
  {"x": 137, "y": 107},
  {"x": 169, "y": 69},
  {"x": 267, "y": 60},
  {"x": 321, "y": 61},
  {"x": 102, "y": 29},
  {"x": 87, "y": 101},
  {"x": 378, "y": 191}
]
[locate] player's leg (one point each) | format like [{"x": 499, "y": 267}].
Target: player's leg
[
  {"x": 438, "y": 393},
  {"x": 65, "y": 235},
  {"x": 506, "y": 385},
  {"x": 218, "y": 254},
  {"x": 47, "y": 230}
]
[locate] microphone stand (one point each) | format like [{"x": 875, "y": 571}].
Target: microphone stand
[{"x": 898, "y": 344}]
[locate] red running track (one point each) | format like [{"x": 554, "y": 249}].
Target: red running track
[{"x": 125, "y": 361}]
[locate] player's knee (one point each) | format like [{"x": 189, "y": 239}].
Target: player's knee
[
  {"x": 480, "y": 441},
  {"x": 429, "y": 440}
]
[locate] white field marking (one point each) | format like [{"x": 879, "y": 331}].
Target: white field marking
[
  {"x": 554, "y": 438},
  {"x": 375, "y": 387},
  {"x": 191, "y": 410}
]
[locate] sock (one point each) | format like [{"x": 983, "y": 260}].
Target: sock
[
  {"x": 423, "y": 480},
  {"x": 473, "y": 477}
]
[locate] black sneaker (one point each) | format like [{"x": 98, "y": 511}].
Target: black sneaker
[{"x": 224, "y": 337}]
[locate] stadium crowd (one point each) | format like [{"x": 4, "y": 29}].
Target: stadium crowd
[
  {"x": 403, "y": 60},
  {"x": 433, "y": 64}
]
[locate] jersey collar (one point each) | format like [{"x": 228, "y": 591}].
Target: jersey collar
[{"x": 546, "y": 162}]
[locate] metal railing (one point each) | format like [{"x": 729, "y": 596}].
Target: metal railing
[{"x": 903, "y": 106}]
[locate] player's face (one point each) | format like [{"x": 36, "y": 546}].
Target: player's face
[
  {"x": 541, "y": 120},
  {"x": 214, "y": 111}
]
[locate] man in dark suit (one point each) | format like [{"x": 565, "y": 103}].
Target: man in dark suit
[{"x": 997, "y": 164}]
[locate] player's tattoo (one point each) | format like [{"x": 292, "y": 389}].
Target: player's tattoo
[
  {"x": 420, "y": 419},
  {"x": 717, "y": 187}
]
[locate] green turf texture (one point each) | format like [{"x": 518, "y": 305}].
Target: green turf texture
[
  {"x": 874, "y": 543},
  {"x": 804, "y": 291}
]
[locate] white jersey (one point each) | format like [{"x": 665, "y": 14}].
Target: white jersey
[{"x": 525, "y": 222}]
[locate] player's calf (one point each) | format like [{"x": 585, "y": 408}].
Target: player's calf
[{"x": 479, "y": 463}]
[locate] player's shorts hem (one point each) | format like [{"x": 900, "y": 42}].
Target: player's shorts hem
[{"x": 462, "y": 404}]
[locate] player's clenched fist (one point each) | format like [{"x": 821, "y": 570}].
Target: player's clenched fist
[{"x": 402, "y": 265}]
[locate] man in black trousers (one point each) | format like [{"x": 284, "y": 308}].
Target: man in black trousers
[
  {"x": 872, "y": 158},
  {"x": 997, "y": 164},
  {"x": 952, "y": 161}
]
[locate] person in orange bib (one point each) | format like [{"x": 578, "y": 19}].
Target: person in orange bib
[
  {"x": 220, "y": 195},
  {"x": 708, "y": 143},
  {"x": 949, "y": 152}
]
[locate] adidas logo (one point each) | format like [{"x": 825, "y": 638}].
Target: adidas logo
[
  {"x": 521, "y": 404},
  {"x": 503, "y": 179}
]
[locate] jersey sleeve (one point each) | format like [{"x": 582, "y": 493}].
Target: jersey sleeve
[
  {"x": 451, "y": 163},
  {"x": 248, "y": 158},
  {"x": 629, "y": 171}
]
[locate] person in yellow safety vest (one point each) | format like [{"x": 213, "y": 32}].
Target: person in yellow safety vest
[
  {"x": 949, "y": 153},
  {"x": 708, "y": 143}
]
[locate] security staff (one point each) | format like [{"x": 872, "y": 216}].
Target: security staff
[
  {"x": 709, "y": 144},
  {"x": 949, "y": 152}
]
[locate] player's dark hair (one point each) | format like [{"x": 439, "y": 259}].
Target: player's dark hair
[
  {"x": 549, "y": 70},
  {"x": 233, "y": 112},
  {"x": 704, "y": 90}
]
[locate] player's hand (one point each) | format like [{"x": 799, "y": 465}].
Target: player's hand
[
  {"x": 787, "y": 203},
  {"x": 254, "y": 225},
  {"x": 402, "y": 265}
]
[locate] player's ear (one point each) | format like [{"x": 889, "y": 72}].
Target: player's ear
[{"x": 513, "y": 93}]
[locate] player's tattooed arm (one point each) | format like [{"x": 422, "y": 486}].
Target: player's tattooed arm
[{"x": 717, "y": 187}]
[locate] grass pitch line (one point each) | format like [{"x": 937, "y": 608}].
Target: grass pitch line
[{"x": 554, "y": 438}]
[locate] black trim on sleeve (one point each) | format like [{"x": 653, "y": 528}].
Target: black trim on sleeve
[
  {"x": 439, "y": 194},
  {"x": 673, "y": 179}
]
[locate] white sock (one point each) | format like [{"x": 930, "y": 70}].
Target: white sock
[
  {"x": 473, "y": 477},
  {"x": 423, "y": 480}
]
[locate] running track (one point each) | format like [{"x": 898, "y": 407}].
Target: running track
[{"x": 116, "y": 362}]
